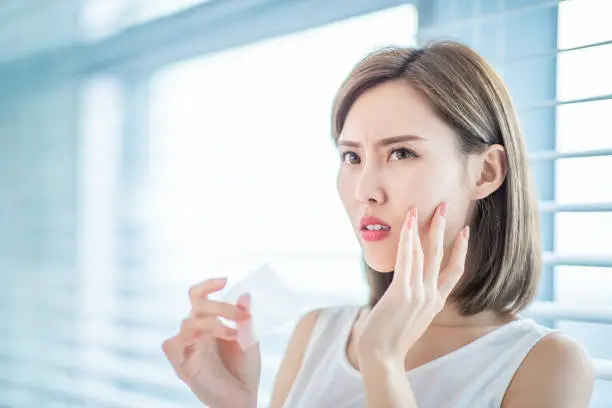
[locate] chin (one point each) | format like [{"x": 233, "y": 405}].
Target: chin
[
  {"x": 380, "y": 256},
  {"x": 380, "y": 265}
]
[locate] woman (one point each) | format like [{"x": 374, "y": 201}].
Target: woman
[{"x": 431, "y": 158}]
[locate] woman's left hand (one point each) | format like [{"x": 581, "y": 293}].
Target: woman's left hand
[{"x": 417, "y": 293}]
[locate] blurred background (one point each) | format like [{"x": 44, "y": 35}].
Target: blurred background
[{"x": 147, "y": 145}]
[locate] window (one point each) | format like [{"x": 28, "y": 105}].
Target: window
[
  {"x": 145, "y": 10},
  {"x": 584, "y": 88},
  {"x": 100, "y": 19},
  {"x": 103, "y": 18}
]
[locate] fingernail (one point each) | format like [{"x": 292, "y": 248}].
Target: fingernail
[
  {"x": 444, "y": 209},
  {"x": 219, "y": 281},
  {"x": 410, "y": 218},
  {"x": 466, "y": 232}
]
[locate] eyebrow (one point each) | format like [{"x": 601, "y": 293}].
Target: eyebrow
[{"x": 382, "y": 142}]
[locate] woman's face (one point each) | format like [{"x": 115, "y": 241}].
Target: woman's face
[{"x": 396, "y": 154}]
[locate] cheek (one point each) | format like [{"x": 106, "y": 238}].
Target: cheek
[
  {"x": 420, "y": 190},
  {"x": 426, "y": 190},
  {"x": 345, "y": 187}
]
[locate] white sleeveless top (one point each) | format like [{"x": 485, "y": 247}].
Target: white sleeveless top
[{"x": 474, "y": 376}]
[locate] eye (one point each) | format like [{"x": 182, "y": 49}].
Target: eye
[
  {"x": 349, "y": 158},
  {"x": 402, "y": 153}
]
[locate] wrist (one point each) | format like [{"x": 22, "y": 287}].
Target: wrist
[
  {"x": 247, "y": 404},
  {"x": 250, "y": 402},
  {"x": 380, "y": 362},
  {"x": 247, "y": 401}
]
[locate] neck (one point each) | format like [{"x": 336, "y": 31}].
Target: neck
[{"x": 450, "y": 316}]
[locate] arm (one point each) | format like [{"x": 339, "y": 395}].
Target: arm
[
  {"x": 386, "y": 385},
  {"x": 557, "y": 373},
  {"x": 292, "y": 361},
  {"x": 415, "y": 296}
]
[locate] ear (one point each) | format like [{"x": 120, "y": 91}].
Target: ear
[{"x": 490, "y": 169}]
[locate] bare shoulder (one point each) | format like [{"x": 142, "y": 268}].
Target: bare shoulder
[
  {"x": 558, "y": 372},
  {"x": 294, "y": 355}
]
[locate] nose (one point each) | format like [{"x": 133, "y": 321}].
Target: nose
[{"x": 369, "y": 188}]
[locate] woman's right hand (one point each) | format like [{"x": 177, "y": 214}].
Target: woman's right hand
[{"x": 205, "y": 353}]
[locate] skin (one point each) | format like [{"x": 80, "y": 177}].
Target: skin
[{"x": 426, "y": 248}]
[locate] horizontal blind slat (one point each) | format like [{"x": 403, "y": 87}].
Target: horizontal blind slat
[
  {"x": 603, "y": 369},
  {"x": 555, "y": 155},
  {"x": 553, "y": 207},
  {"x": 556, "y": 102},
  {"x": 554, "y": 259},
  {"x": 579, "y": 313}
]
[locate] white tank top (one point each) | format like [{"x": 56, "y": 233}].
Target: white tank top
[{"x": 474, "y": 376}]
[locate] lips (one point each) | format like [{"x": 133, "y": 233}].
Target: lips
[
  {"x": 369, "y": 220},
  {"x": 373, "y": 235}
]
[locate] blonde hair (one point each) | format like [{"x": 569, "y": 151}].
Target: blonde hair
[{"x": 504, "y": 260}]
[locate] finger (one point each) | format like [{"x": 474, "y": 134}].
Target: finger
[
  {"x": 245, "y": 331},
  {"x": 205, "y": 308},
  {"x": 244, "y": 301},
  {"x": 403, "y": 264},
  {"x": 416, "y": 273},
  {"x": 435, "y": 251},
  {"x": 456, "y": 265},
  {"x": 202, "y": 290},
  {"x": 196, "y": 326},
  {"x": 173, "y": 349}
]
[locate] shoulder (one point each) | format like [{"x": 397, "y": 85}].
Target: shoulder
[
  {"x": 558, "y": 372},
  {"x": 294, "y": 355},
  {"x": 300, "y": 337},
  {"x": 306, "y": 324},
  {"x": 297, "y": 347}
]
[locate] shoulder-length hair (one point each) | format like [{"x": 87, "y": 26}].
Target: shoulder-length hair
[{"x": 504, "y": 258}]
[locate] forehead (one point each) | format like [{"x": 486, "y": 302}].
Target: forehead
[{"x": 390, "y": 109}]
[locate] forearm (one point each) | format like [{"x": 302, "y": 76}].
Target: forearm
[
  {"x": 227, "y": 398},
  {"x": 386, "y": 385}
]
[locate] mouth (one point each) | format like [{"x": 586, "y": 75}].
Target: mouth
[{"x": 373, "y": 229}]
